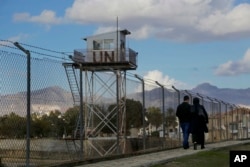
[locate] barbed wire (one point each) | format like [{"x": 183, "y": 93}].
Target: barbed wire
[
  {"x": 44, "y": 49},
  {"x": 64, "y": 56},
  {"x": 5, "y": 45},
  {"x": 147, "y": 81},
  {"x": 10, "y": 53}
]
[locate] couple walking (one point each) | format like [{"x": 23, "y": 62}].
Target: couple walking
[{"x": 192, "y": 119}]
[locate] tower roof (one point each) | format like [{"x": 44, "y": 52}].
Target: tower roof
[{"x": 125, "y": 32}]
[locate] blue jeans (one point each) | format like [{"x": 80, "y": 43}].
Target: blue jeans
[{"x": 185, "y": 131}]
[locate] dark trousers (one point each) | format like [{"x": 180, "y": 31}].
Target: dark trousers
[
  {"x": 199, "y": 138},
  {"x": 185, "y": 130}
]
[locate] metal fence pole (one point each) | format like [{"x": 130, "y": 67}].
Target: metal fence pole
[
  {"x": 179, "y": 94},
  {"x": 202, "y": 98},
  {"x": 237, "y": 120},
  {"x": 212, "y": 117},
  {"x": 118, "y": 109},
  {"x": 27, "y": 52},
  {"x": 232, "y": 130},
  {"x": 179, "y": 102},
  {"x": 219, "y": 116},
  {"x": 81, "y": 115},
  {"x": 244, "y": 124},
  {"x": 163, "y": 109},
  {"x": 239, "y": 124},
  {"x": 226, "y": 119},
  {"x": 143, "y": 111},
  {"x": 247, "y": 121}
]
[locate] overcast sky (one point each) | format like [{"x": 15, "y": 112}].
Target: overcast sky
[{"x": 180, "y": 42}]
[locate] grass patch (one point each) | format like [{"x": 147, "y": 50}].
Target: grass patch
[{"x": 211, "y": 158}]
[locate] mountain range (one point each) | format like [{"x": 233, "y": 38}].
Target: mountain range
[
  {"x": 42, "y": 101},
  {"x": 56, "y": 98},
  {"x": 234, "y": 96}
]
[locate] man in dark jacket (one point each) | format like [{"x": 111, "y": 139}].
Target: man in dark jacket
[{"x": 183, "y": 112}]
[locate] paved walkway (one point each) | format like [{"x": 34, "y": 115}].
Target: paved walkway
[{"x": 147, "y": 160}]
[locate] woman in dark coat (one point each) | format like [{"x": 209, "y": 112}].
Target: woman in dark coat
[{"x": 198, "y": 127}]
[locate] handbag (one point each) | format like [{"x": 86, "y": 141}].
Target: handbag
[
  {"x": 205, "y": 128},
  {"x": 201, "y": 112}
]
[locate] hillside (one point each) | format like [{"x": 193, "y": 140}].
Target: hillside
[
  {"x": 56, "y": 98},
  {"x": 42, "y": 100},
  {"x": 235, "y": 96}
]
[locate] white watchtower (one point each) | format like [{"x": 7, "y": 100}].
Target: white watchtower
[{"x": 105, "y": 52}]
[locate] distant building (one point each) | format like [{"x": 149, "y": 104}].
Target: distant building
[{"x": 43, "y": 109}]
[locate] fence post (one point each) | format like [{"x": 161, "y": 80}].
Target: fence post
[
  {"x": 27, "y": 52},
  {"x": 202, "y": 98},
  {"x": 219, "y": 116},
  {"x": 179, "y": 102},
  {"x": 81, "y": 115},
  {"x": 226, "y": 118},
  {"x": 212, "y": 117},
  {"x": 247, "y": 121},
  {"x": 143, "y": 110},
  {"x": 237, "y": 120},
  {"x": 231, "y": 106},
  {"x": 239, "y": 135},
  {"x": 118, "y": 109},
  {"x": 163, "y": 109}
]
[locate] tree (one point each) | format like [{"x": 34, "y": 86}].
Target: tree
[
  {"x": 171, "y": 118},
  {"x": 50, "y": 125},
  {"x": 40, "y": 125},
  {"x": 154, "y": 116},
  {"x": 70, "y": 118},
  {"x": 12, "y": 126},
  {"x": 56, "y": 123},
  {"x": 133, "y": 113}
]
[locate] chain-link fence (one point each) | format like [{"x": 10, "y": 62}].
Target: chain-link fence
[{"x": 95, "y": 113}]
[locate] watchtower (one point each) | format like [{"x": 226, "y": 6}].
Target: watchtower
[{"x": 105, "y": 52}]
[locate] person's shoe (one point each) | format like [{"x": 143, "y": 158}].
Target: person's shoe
[
  {"x": 195, "y": 146},
  {"x": 202, "y": 147},
  {"x": 187, "y": 147}
]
